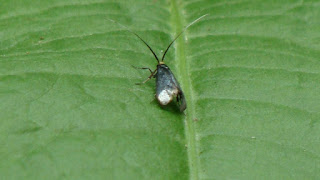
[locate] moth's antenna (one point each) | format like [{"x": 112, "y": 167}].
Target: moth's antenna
[
  {"x": 137, "y": 36},
  {"x": 180, "y": 34}
]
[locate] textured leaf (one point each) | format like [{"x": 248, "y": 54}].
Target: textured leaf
[{"x": 70, "y": 109}]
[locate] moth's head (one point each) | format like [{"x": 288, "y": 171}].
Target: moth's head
[{"x": 162, "y": 65}]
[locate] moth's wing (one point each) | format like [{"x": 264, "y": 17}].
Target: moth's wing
[
  {"x": 163, "y": 81},
  {"x": 181, "y": 100},
  {"x": 167, "y": 82},
  {"x": 166, "y": 88}
]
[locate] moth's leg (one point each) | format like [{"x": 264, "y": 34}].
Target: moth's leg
[
  {"x": 178, "y": 98},
  {"x": 142, "y": 68},
  {"x": 152, "y": 74}
]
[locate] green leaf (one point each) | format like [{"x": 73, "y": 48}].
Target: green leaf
[{"x": 70, "y": 108}]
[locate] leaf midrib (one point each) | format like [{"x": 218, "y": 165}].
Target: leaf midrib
[{"x": 185, "y": 81}]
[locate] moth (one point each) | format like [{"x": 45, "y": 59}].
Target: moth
[{"x": 167, "y": 86}]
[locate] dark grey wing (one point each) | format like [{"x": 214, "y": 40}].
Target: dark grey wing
[
  {"x": 165, "y": 81},
  {"x": 182, "y": 101}
]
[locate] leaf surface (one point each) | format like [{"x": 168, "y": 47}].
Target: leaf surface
[{"x": 70, "y": 107}]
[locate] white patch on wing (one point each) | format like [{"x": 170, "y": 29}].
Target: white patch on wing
[{"x": 165, "y": 97}]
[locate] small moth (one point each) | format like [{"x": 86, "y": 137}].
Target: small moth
[{"x": 167, "y": 86}]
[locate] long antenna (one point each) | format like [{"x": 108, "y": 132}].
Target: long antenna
[
  {"x": 138, "y": 37},
  {"x": 180, "y": 34}
]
